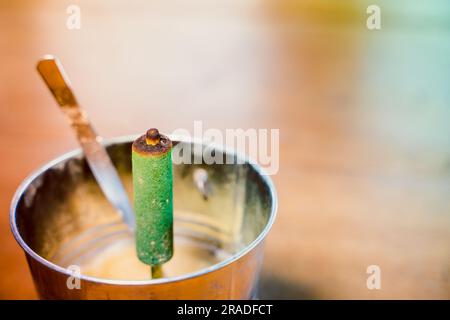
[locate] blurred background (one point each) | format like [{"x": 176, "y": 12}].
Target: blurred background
[{"x": 364, "y": 119}]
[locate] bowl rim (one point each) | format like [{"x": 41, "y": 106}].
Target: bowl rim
[{"x": 127, "y": 139}]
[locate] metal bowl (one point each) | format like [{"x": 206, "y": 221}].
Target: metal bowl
[{"x": 60, "y": 203}]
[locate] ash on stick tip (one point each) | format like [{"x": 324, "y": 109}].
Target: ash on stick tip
[{"x": 152, "y": 137}]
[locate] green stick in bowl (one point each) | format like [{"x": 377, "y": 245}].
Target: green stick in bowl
[{"x": 153, "y": 199}]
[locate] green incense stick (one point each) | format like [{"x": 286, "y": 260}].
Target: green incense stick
[{"x": 153, "y": 198}]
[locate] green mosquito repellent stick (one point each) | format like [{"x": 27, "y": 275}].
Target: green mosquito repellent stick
[{"x": 153, "y": 198}]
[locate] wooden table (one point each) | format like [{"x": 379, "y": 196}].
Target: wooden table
[{"x": 363, "y": 115}]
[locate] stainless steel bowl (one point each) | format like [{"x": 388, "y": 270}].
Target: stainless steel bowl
[{"x": 60, "y": 203}]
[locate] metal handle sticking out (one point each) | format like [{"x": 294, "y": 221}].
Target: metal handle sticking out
[{"x": 97, "y": 158}]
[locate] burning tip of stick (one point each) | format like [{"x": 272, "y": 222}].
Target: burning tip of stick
[{"x": 152, "y": 137}]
